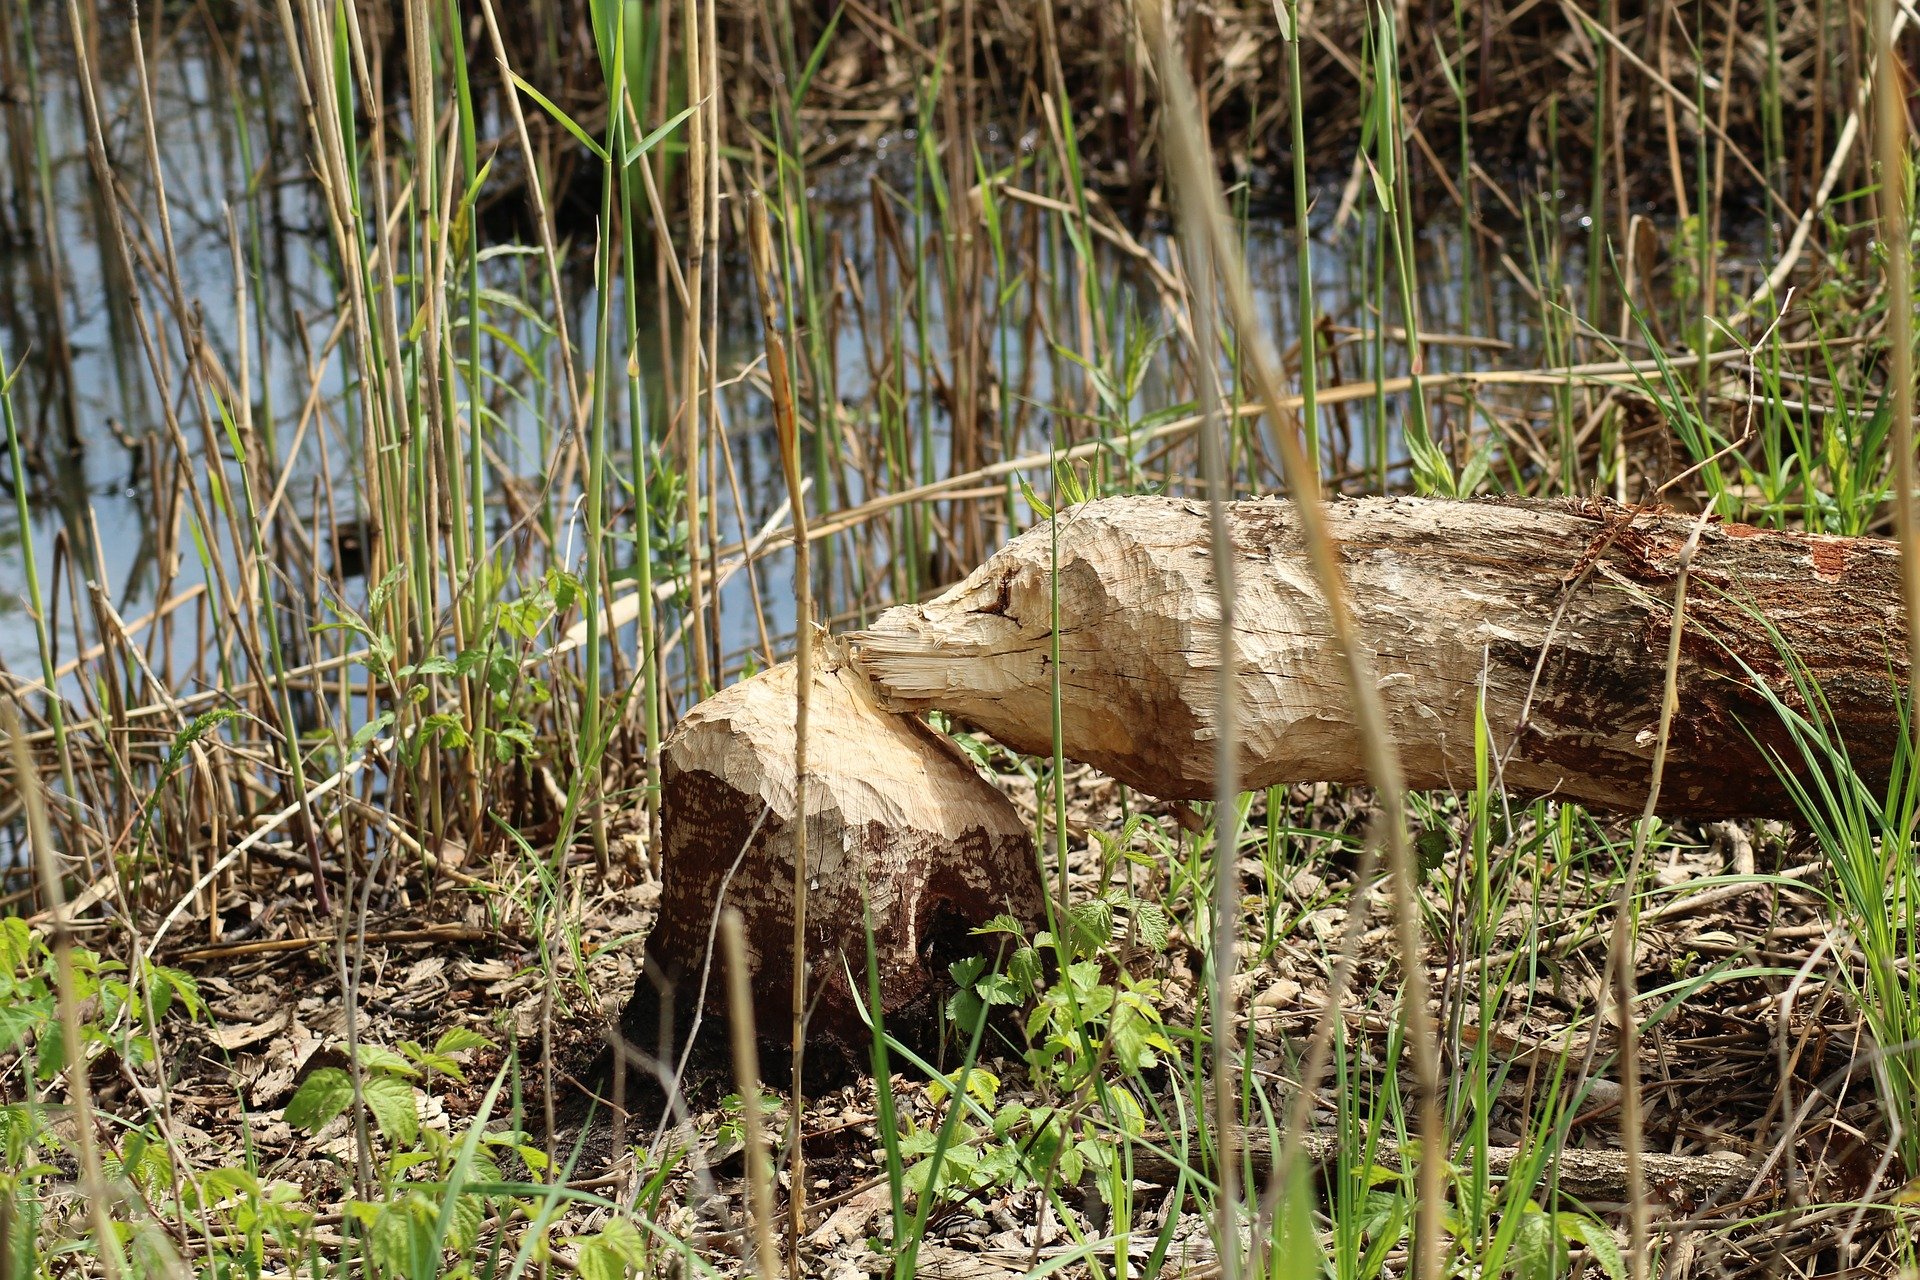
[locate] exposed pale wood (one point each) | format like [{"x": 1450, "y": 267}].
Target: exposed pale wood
[
  {"x": 1448, "y": 594},
  {"x": 900, "y": 825}
]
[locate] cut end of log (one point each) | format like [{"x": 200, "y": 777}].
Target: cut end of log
[{"x": 903, "y": 835}]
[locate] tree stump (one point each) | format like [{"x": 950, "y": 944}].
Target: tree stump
[
  {"x": 901, "y": 829},
  {"x": 1449, "y": 596}
]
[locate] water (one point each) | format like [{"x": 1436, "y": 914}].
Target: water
[{"x": 234, "y": 164}]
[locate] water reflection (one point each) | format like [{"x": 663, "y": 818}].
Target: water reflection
[{"x": 108, "y": 503}]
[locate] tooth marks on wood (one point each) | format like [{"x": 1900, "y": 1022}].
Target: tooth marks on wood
[
  {"x": 1447, "y": 594},
  {"x": 902, "y": 830}
]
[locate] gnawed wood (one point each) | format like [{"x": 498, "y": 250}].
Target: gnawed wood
[
  {"x": 899, "y": 827},
  {"x": 1449, "y": 595}
]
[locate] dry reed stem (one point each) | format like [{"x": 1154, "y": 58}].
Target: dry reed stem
[
  {"x": 542, "y": 216},
  {"x": 690, "y": 341},
  {"x": 1621, "y": 960},
  {"x": 1198, "y": 186},
  {"x": 79, "y": 1095},
  {"x": 1226, "y": 810},
  {"x": 1891, "y": 144},
  {"x": 761, "y": 255},
  {"x": 746, "y": 1073}
]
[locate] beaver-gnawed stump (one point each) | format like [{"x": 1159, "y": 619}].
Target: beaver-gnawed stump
[{"x": 901, "y": 830}]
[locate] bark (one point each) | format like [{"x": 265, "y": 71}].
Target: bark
[
  {"x": 1449, "y": 595},
  {"x": 899, "y": 823}
]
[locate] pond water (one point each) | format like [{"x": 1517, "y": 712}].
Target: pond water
[{"x": 232, "y": 149}]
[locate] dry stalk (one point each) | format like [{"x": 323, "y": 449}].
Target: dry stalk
[
  {"x": 542, "y": 217},
  {"x": 690, "y": 367},
  {"x": 1620, "y": 961},
  {"x": 1226, "y": 810},
  {"x": 746, "y": 1072},
  {"x": 786, "y": 425},
  {"x": 1890, "y": 143},
  {"x": 1198, "y": 189},
  {"x": 79, "y": 1096}
]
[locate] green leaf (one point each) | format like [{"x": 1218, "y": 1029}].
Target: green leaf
[
  {"x": 441, "y": 1063},
  {"x": 1091, "y": 925},
  {"x": 1533, "y": 1247},
  {"x": 469, "y": 1212},
  {"x": 997, "y": 988},
  {"x": 1002, "y": 923},
  {"x": 1040, "y": 508},
  {"x": 562, "y": 118},
  {"x": 377, "y": 598},
  {"x": 598, "y": 1261},
  {"x": 181, "y": 985},
  {"x": 652, "y": 140},
  {"x": 391, "y": 1100},
  {"x": 967, "y": 972},
  {"x": 1151, "y": 928},
  {"x": 1132, "y": 1117},
  {"x": 1067, "y": 483},
  {"x": 1599, "y": 1242},
  {"x": 375, "y": 1057},
  {"x": 320, "y": 1097},
  {"x": 16, "y": 944},
  {"x": 981, "y": 1084},
  {"x": 372, "y": 729},
  {"x": 459, "y": 1039},
  {"x": 1073, "y": 1163},
  {"x": 22, "y": 1019},
  {"x": 52, "y": 1048},
  {"x": 964, "y": 1009},
  {"x": 565, "y": 589},
  {"x": 436, "y": 665},
  {"x": 403, "y": 1236},
  {"x": 409, "y": 1160},
  {"x": 625, "y": 1239},
  {"x": 1024, "y": 967}
]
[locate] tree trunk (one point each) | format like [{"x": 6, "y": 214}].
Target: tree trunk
[
  {"x": 899, "y": 825},
  {"x": 1451, "y": 597}
]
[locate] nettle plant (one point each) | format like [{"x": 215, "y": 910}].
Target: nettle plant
[
  {"x": 435, "y": 1187},
  {"x": 29, "y": 1016},
  {"x": 120, "y": 1011},
  {"x": 1083, "y": 1015},
  {"x": 496, "y": 662}
]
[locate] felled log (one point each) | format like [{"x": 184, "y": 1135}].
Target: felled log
[
  {"x": 1590, "y": 1174},
  {"x": 900, "y": 828},
  {"x": 1448, "y": 595}
]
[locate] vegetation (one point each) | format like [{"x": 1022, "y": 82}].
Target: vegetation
[{"x": 400, "y": 440}]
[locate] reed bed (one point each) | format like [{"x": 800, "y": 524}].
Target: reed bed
[{"x": 412, "y": 409}]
